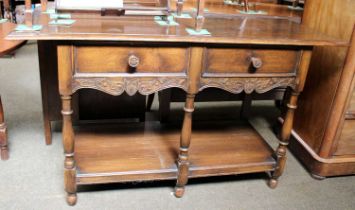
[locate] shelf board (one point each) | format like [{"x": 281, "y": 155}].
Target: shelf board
[{"x": 148, "y": 151}]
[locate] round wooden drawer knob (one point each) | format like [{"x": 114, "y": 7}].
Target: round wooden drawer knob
[
  {"x": 256, "y": 62},
  {"x": 133, "y": 61}
]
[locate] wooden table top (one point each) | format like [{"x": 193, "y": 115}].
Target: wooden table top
[
  {"x": 7, "y": 46},
  {"x": 223, "y": 29}
]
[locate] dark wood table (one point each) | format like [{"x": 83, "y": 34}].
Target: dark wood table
[{"x": 136, "y": 55}]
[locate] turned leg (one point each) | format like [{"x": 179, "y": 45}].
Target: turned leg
[
  {"x": 183, "y": 160},
  {"x": 3, "y": 135},
  {"x": 284, "y": 140},
  {"x": 68, "y": 143}
]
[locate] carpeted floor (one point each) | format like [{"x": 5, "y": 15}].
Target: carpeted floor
[{"x": 33, "y": 176}]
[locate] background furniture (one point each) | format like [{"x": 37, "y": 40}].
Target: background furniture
[
  {"x": 324, "y": 128},
  {"x": 6, "y": 47},
  {"x": 3, "y": 135},
  {"x": 5, "y": 9}
]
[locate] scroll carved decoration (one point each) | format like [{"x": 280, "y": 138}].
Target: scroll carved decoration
[
  {"x": 237, "y": 85},
  {"x": 130, "y": 85}
]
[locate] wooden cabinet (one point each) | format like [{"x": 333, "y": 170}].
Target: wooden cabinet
[{"x": 324, "y": 122}]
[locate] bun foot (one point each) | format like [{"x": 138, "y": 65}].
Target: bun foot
[
  {"x": 272, "y": 183},
  {"x": 179, "y": 192},
  {"x": 4, "y": 154},
  {"x": 71, "y": 199},
  {"x": 317, "y": 177}
]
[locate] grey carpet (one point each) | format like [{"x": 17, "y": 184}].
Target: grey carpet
[{"x": 33, "y": 176}]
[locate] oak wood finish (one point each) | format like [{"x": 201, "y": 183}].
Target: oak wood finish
[
  {"x": 116, "y": 59},
  {"x": 88, "y": 104},
  {"x": 241, "y": 61},
  {"x": 288, "y": 123},
  {"x": 116, "y": 83},
  {"x": 155, "y": 157},
  {"x": 280, "y": 32},
  {"x": 144, "y": 32},
  {"x": 7, "y": 46},
  {"x": 65, "y": 78},
  {"x": 323, "y": 106}
]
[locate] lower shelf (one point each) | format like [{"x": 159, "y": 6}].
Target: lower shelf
[{"x": 148, "y": 151}]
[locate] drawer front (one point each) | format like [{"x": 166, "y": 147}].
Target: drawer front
[
  {"x": 104, "y": 59},
  {"x": 255, "y": 61}
]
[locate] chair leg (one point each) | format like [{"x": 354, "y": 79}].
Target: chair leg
[
  {"x": 3, "y": 135},
  {"x": 183, "y": 159}
]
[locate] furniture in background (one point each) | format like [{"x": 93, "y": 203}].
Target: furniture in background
[
  {"x": 5, "y": 9},
  {"x": 324, "y": 130},
  {"x": 6, "y": 48},
  {"x": 3, "y": 135}
]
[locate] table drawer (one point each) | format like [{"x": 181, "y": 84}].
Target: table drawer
[
  {"x": 121, "y": 59},
  {"x": 255, "y": 61}
]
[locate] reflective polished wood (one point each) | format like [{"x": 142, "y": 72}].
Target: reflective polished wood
[
  {"x": 247, "y": 29},
  {"x": 154, "y": 144},
  {"x": 7, "y": 46}
]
